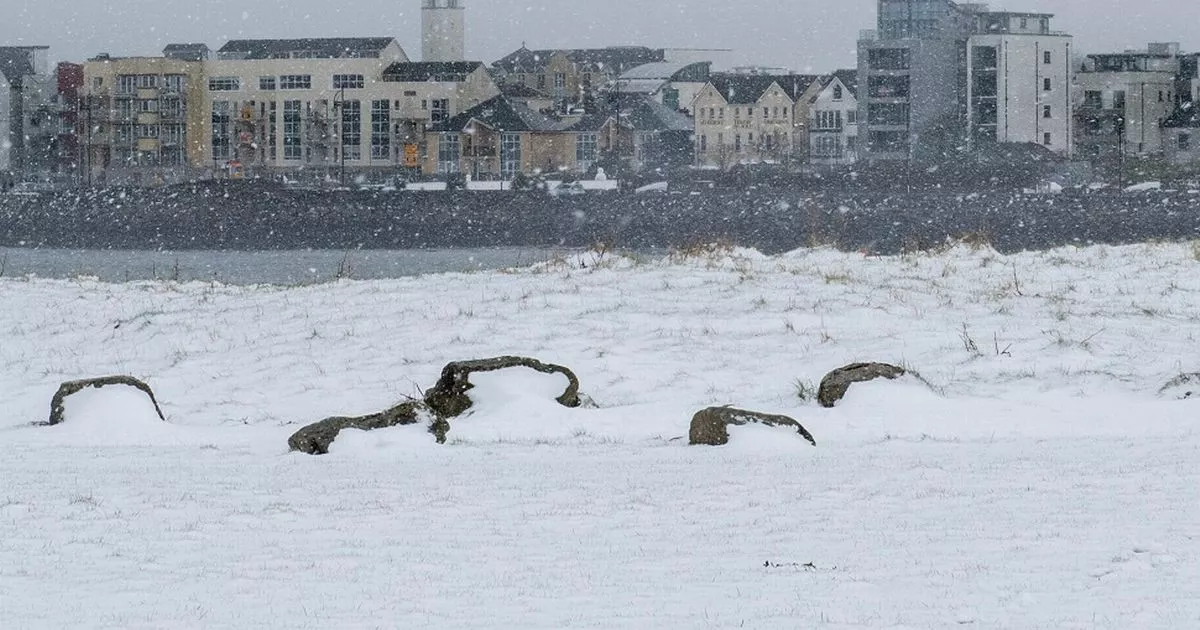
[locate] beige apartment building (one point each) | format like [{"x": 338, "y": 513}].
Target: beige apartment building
[
  {"x": 143, "y": 119},
  {"x": 753, "y": 118}
]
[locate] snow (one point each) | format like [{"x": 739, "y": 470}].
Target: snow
[
  {"x": 1144, "y": 187},
  {"x": 1034, "y": 478}
]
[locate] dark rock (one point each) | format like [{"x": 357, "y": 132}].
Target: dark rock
[
  {"x": 70, "y": 387},
  {"x": 448, "y": 399},
  {"x": 836, "y": 383},
  {"x": 315, "y": 439},
  {"x": 710, "y": 427}
]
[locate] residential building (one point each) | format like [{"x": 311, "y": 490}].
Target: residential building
[
  {"x": 429, "y": 94},
  {"x": 498, "y": 139},
  {"x": 443, "y": 30},
  {"x": 674, "y": 84},
  {"x": 1124, "y": 99},
  {"x": 634, "y": 133},
  {"x": 142, "y": 119},
  {"x": 318, "y": 107},
  {"x": 940, "y": 77},
  {"x": 753, "y": 118},
  {"x": 1019, "y": 87},
  {"x": 572, "y": 77},
  {"x": 27, "y": 120},
  {"x": 1182, "y": 134},
  {"x": 67, "y": 101},
  {"x": 833, "y": 120}
]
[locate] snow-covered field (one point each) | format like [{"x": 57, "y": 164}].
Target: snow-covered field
[{"x": 1041, "y": 483}]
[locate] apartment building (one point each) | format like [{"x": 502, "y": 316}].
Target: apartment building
[
  {"x": 833, "y": 120},
  {"x": 142, "y": 120},
  {"x": 1125, "y": 98},
  {"x": 572, "y": 77},
  {"x": 753, "y": 118},
  {"x": 940, "y": 77},
  {"x": 27, "y": 120}
]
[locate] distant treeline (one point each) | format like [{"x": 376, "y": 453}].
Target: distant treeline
[{"x": 251, "y": 216}]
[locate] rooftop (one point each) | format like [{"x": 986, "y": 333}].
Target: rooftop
[
  {"x": 439, "y": 71},
  {"x": 312, "y": 48}
]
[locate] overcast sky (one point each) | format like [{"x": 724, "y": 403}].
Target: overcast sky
[{"x": 805, "y": 35}]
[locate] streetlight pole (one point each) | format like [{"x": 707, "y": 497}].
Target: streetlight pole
[{"x": 339, "y": 105}]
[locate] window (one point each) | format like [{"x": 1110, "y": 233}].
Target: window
[
  {"x": 1119, "y": 99},
  {"x": 173, "y": 83},
  {"x": 852, "y": 117},
  {"x": 887, "y": 114},
  {"x": 1046, "y": 84},
  {"x": 124, "y": 110},
  {"x": 703, "y": 143},
  {"x": 510, "y": 154},
  {"x": 172, "y": 134},
  {"x": 560, "y": 81},
  {"x": 295, "y": 82},
  {"x": 126, "y": 84},
  {"x": 224, "y": 84},
  {"x": 147, "y": 106},
  {"x": 889, "y": 59},
  {"x": 766, "y": 113},
  {"x": 272, "y": 129},
  {"x": 1093, "y": 99},
  {"x": 1046, "y": 57},
  {"x": 1047, "y": 111},
  {"x": 352, "y": 130},
  {"x": 148, "y": 131},
  {"x": 1185, "y": 142},
  {"x": 737, "y": 143},
  {"x": 440, "y": 111},
  {"x": 292, "y": 146},
  {"x": 348, "y": 82},
  {"x": 171, "y": 107},
  {"x": 449, "y": 153},
  {"x": 585, "y": 151},
  {"x": 266, "y": 84},
  {"x": 1024, "y": 23},
  {"x": 837, "y": 93},
  {"x": 381, "y": 125},
  {"x": 147, "y": 81},
  {"x": 1046, "y": 138},
  {"x": 888, "y": 86},
  {"x": 829, "y": 120},
  {"x": 222, "y": 127},
  {"x": 1160, "y": 96}
]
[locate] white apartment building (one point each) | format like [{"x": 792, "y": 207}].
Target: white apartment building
[
  {"x": 833, "y": 120},
  {"x": 1019, "y": 88},
  {"x": 299, "y": 104}
]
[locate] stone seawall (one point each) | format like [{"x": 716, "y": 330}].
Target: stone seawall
[{"x": 242, "y": 217}]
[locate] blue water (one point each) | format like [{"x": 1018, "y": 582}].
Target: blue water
[{"x": 267, "y": 267}]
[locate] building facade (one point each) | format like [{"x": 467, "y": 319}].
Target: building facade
[
  {"x": 753, "y": 118},
  {"x": 939, "y": 78},
  {"x": 443, "y": 30},
  {"x": 1123, "y": 99},
  {"x": 833, "y": 120},
  {"x": 28, "y": 121},
  {"x": 573, "y": 78}
]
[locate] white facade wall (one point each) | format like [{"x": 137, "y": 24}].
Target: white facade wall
[
  {"x": 744, "y": 133},
  {"x": 833, "y": 126},
  {"x": 1034, "y": 89},
  {"x": 320, "y": 131},
  {"x": 443, "y": 30},
  {"x": 1144, "y": 110},
  {"x": 6, "y": 140}
]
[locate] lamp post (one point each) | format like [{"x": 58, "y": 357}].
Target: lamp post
[{"x": 339, "y": 105}]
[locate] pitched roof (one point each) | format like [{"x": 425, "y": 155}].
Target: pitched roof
[
  {"x": 500, "y": 114},
  {"x": 619, "y": 58},
  {"x": 441, "y": 71},
  {"x": 745, "y": 89},
  {"x": 639, "y": 113},
  {"x": 849, "y": 78},
  {"x": 186, "y": 52},
  {"x": 324, "y": 48},
  {"x": 1186, "y": 116}
]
